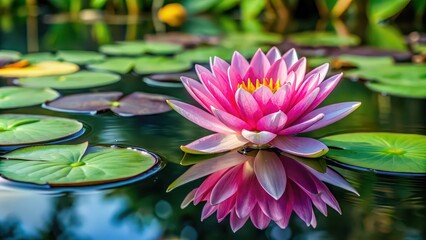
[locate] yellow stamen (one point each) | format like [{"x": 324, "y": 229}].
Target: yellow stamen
[{"x": 251, "y": 86}]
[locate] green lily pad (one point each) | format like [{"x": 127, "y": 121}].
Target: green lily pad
[
  {"x": 13, "y": 97},
  {"x": 390, "y": 152},
  {"x": 10, "y": 55},
  {"x": 236, "y": 40},
  {"x": 365, "y": 61},
  {"x": 139, "y": 48},
  {"x": 402, "y": 74},
  {"x": 323, "y": 39},
  {"x": 411, "y": 91},
  {"x": 168, "y": 79},
  {"x": 40, "y": 57},
  {"x": 203, "y": 54},
  {"x": 80, "y": 57},
  {"x": 82, "y": 79},
  {"x": 16, "y": 129},
  {"x": 149, "y": 65},
  {"x": 74, "y": 165},
  {"x": 137, "y": 103},
  {"x": 118, "y": 65}
]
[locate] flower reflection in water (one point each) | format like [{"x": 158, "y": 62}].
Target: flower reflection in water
[{"x": 262, "y": 185}]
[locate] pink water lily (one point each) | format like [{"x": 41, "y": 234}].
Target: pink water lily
[
  {"x": 262, "y": 103},
  {"x": 264, "y": 187}
]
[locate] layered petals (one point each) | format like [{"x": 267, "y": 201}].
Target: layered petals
[
  {"x": 300, "y": 146},
  {"x": 215, "y": 143}
]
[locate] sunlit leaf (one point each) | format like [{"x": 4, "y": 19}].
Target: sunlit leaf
[
  {"x": 411, "y": 91},
  {"x": 385, "y": 37},
  {"x": 13, "y": 97},
  {"x": 82, "y": 79},
  {"x": 151, "y": 64},
  {"x": 80, "y": 57},
  {"x": 203, "y": 54},
  {"x": 118, "y": 65},
  {"x": 40, "y": 69},
  {"x": 74, "y": 165},
  {"x": 251, "y": 8},
  {"x": 391, "y": 152},
  {"x": 18, "y": 129},
  {"x": 40, "y": 57},
  {"x": 323, "y": 39},
  {"x": 140, "y": 47},
  {"x": 379, "y": 10}
]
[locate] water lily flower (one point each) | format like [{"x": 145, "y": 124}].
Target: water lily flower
[
  {"x": 263, "y": 187},
  {"x": 262, "y": 103}
]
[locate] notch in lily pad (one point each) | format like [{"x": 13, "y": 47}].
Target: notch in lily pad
[
  {"x": 75, "y": 165},
  {"x": 20, "y": 129},
  {"x": 137, "y": 103},
  {"x": 14, "y": 97},
  {"x": 379, "y": 151}
]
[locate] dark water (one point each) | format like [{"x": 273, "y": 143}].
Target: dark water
[{"x": 390, "y": 207}]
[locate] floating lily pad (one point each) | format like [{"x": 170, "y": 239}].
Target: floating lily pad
[
  {"x": 411, "y": 91},
  {"x": 82, "y": 79},
  {"x": 80, "y": 57},
  {"x": 362, "y": 61},
  {"x": 203, "y": 54},
  {"x": 16, "y": 129},
  {"x": 74, "y": 165},
  {"x": 40, "y": 57},
  {"x": 149, "y": 65},
  {"x": 236, "y": 40},
  {"x": 118, "y": 65},
  {"x": 184, "y": 39},
  {"x": 139, "y": 48},
  {"x": 13, "y": 97},
  {"x": 167, "y": 79},
  {"x": 323, "y": 39},
  {"x": 10, "y": 55},
  {"x": 409, "y": 74},
  {"x": 391, "y": 152},
  {"x": 136, "y": 103},
  {"x": 40, "y": 69}
]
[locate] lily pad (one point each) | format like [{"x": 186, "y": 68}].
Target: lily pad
[
  {"x": 74, "y": 165},
  {"x": 149, "y": 65},
  {"x": 402, "y": 74},
  {"x": 13, "y": 97},
  {"x": 10, "y": 55},
  {"x": 16, "y": 129},
  {"x": 40, "y": 69},
  {"x": 80, "y": 57},
  {"x": 139, "y": 48},
  {"x": 184, "y": 39},
  {"x": 361, "y": 61},
  {"x": 82, "y": 79},
  {"x": 203, "y": 54},
  {"x": 137, "y": 103},
  {"x": 411, "y": 91},
  {"x": 167, "y": 79},
  {"x": 40, "y": 57},
  {"x": 247, "y": 39},
  {"x": 118, "y": 65},
  {"x": 323, "y": 39},
  {"x": 390, "y": 152}
]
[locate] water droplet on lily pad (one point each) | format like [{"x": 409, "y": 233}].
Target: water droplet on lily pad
[
  {"x": 13, "y": 97},
  {"x": 75, "y": 165},
  {"x": 390, "y": 152},
  {"x": 19, "y": 129}
]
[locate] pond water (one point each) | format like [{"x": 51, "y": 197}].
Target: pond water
[{"x": 390, "y": 207}]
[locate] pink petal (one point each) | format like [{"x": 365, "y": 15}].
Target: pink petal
[
  {"x": 300, "y": 108},
  {"x": 260, "y": 138},
  {"x": 270, "y": 173},
  {"x": 239, "y": 63},
  {"x": 225, "y": 208},
  {"x": 188, "y": 199},
  {"x": 299, "y": 69},
  {"x": 290, "y": 57},
  {"x": 250, "y": 74},
  {"x": 259, "y": 219},
  {"x": 230, "y": 120},
  {"x": 199, "y": 117},
  {"x": 333, "y": 178},
  {"x": 207, "y": 211},
  {"x": 226, "y": 186},
  {"x": 260, "y": 64},
  {"x": 286, "y": 201},
  {"x": 273, "y": 122},
  {"x": 234, "y": 78},
  {"x": 207, "y": 167},
  {"x": 299, "y": 126},
  {"x": 215, "y": 143},
  {"x": 332, "y": 113},
  {"x": 273, "y": 55},
  {"x": 278, "y": 71},
  {"x": 199, "y": 93},
  {"x": 236, "y": 222},
  {"x": 326, "y": 87},
  {"x": 220, "y": 63},
  {"x": 249, "y": 109},
  {"x": 299, "y": 175},
  {"x": 300, "y": 146},
  {"x": 201, "y": 70},
  {"x": 262, "y": 96},
  {"x": 321, "y": 70},
  {"x": 308, "y": 85},
  {"x": 328, "y": 197},
  {"x": 204, "y": 190},
  {"x": 246, "y": 195},
  {"x": 270, "y": 207},
  {"x": 302, "y": 205},
  {"x": 319, "y": 203},
  {"x": 313, "y": 220}
]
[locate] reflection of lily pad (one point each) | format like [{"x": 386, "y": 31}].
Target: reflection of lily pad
[
  {"x": 12, "y": 97},
  {"x": 392, "y": 152},
  {"x": 74, "y": 165},
  {"x": 24, "y": 129},
  {"x": 82, "y": 79},
  {"x": 80, "y": 57},
  {"x": 118, "y": 65},
  {"x": 149, "y": 64},
  {"x": 136, "y": 103},
  {"x": 323, "y": 39},
  {"x": 40, "y": 69},
  {"x": 203, "y": 54},
  {"x": 412, "y": 91},
  {"x": 139, "y": 48}
]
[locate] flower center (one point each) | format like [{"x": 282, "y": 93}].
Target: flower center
[{"x": 251, "y": 86}]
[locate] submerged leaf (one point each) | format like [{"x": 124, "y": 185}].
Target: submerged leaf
[
  {"x": 391, "y": 152},
  {"x": 13, "y": 97},
  {"x": 74, "y": 165}
]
